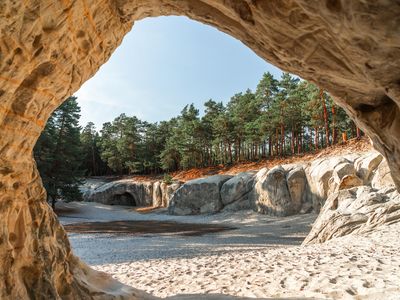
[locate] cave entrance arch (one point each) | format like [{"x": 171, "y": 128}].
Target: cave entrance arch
[
  {"x": 126, "y": 199},
  {"x": 49, "y": 48}
]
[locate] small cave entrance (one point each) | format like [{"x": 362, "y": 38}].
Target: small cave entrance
[{"x": 124, "y": 199}]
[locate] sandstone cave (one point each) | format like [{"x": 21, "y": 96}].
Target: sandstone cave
[
  {"x": 124, "y": 199},
  {"x": 48, "y": 49}
]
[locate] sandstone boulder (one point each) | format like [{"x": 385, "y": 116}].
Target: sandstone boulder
[
  {"x": 354, "y": 210},
  {"x": 157, "y": 194},
  {"x": 366, "y": 165},
  {"x": 324, "y": 176},
  {"x": 349, "y": 181},
  {"x": 343, "y": 177},
  {"x": 164, "y": 194},
  {"x": 167, "y": 190},
  {"x": 123, "y": 192},
  {"x": 199, "y": 196},
  {"x": 237, "y": 188},
  {"x": 382, "y": 177},
  {"x": 238, "y": 205},
  {"x": 172, "y": 188},
  {"x": 297, "y": 182},
  {"x": 271, "y": 193}
]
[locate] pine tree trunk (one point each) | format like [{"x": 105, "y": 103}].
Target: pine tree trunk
[
  {"x": 334, "y": 134},
  {"x": 239, "y": 152},
  {"x": 316, "y": 138},
  {"x": 264, "y": 150},
  {"x": 344, "y": 137},
  {"x": 292, "y": 142},
  {"x": 321, "y": 94},
  {"x": 230, "y": 153},
  {"x": 94, "y": 161},
  {"x": 300, "y": 145},
  {"x": 282, "y": 139},
  {"x": 270, "y": 146}
]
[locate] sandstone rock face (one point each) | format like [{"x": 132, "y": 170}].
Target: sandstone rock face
[
  {"x": 171, "y": 189},
  {"x": 382, "y": 176},
  {"x": 157, "y": 194},
  {"x": 235, "y": 192},
  {"x": 319, "y": 177},
  {"x": 123, "y": 192},
  {"x": 297, "y": 183},
  {"x": 366, "y": 165},
  {"x": 167, "y": 191},
  {"x": 49, "y": 49},
  {"x": 355, "y": 210},
  {"x": 272, "y": 195},
  {"x": 131, "y": 193},
  {"x": 241, "y": 204},
  {"x": 237, "y": 188},
  {"x": 199, "y": 196}
]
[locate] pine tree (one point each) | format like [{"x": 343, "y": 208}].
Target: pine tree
[
  {"x": 92, "y": 161},
  {"x": 59, "y": 154},
  {"x": 283, "y": 117}
]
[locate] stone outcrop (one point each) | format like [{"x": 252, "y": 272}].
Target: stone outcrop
[
  {"x": 48, "y": 49},
  {"x": 130, "y": 193},
  {"x": 122, "y": 192},
  {"x": 237, "y": 187},
  {"x": 285, "y": 190},
  {"x": 355, "y": 210},
  {"x": 279, "y": 191},
  {"x": 364, "y": 198},
  {"x": 199, "y": 196},
  {"x": 297, "y": 184},
  {"x": 365, "y": 165},
  {"x": 168, "y": 190},
  {"x": 382, "y": 176},
  {"x": 157, "y": 194},
  {"x": 319, "y": 175}
]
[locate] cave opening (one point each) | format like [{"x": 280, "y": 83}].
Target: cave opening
[
  {"x": 56, "y": 47},
  {"x": 125, "y": 199}
]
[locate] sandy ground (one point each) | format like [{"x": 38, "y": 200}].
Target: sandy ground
[{"x": 260, "y": 258}]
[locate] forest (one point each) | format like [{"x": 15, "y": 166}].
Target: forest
[{"x": 282, "y": 117}]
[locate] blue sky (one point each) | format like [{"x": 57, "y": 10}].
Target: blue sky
[{"x": 165, "y": 63}]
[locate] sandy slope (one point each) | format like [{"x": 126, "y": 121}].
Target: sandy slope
[{"x": 246, "y": 261}]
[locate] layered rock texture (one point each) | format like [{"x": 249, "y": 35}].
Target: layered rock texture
[
  {"x": 356, "y": 194},
  {"x": 122, "y": 192},
  {"x": 199, "y": 196},
  {"x": 279, "y": 191},
  {"x": 132, "y": 193},
  {"x": 48, "y": 49},
  {"x": 355, "y": 210}
]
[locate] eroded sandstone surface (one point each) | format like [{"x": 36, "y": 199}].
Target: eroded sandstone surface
[
  {"x": 355, "y": 210},
  {"x": 129, "y": 192},
  {"x": 283, "y": 190},
  {"x": 48, "y": 49}
]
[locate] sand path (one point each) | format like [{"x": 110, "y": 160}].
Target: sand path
[{"x": 259, "y": 259}]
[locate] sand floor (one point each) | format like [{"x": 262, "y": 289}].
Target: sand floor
[{"x": 261, "y": 258}]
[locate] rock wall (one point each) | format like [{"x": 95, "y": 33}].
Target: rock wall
[
  {"x": 199, "y": 196},
  {"x": 48, "y": 49},
  {"x": 36, "y": 258},
  {"x": 283, "y": 190},
  {"x": 355, "y": 210},
  {"x": 122, "y": 192},
  {"x": 131, "y": 193}
]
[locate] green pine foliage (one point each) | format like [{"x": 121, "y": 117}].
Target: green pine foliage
[
  {"x": 281, "y": 118},
  {"x": 59, "y": 153}
]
